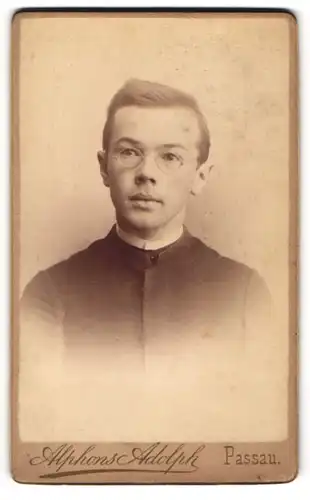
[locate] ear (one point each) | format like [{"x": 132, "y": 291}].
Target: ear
[
  {"x": 103, "y": 162},
  {"x": 200, "y": 178}
]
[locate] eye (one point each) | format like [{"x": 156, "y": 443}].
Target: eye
[
  {"x": 128, "y": 156},
  {"x": 171, "y": 159},
  {"x": 128, "y": 153}
]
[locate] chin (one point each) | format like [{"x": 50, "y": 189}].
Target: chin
[{"x": 142, "y": 221}]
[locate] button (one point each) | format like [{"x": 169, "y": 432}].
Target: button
[{"x": 154, "y": 259}]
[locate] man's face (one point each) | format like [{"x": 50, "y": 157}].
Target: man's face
[{"x": 152, "y": 165}]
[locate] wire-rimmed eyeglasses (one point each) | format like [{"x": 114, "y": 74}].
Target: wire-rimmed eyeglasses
[{"x": 131, "y": 157}]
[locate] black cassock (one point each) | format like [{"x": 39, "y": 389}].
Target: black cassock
[
  {"x": 175, "y": 332},
  {"x": 113, "y": 297}
]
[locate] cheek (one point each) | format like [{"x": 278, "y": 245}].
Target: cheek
[
  {"x": 182, "y": 185},
  {"x": 120, "y": 180}
]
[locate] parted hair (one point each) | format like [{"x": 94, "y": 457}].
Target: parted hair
[{"x": 147, "y": 94}]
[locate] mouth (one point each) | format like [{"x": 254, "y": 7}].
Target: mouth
[
  {"x": 145, "y": 198},
  {"x": 144, "y": 201}
]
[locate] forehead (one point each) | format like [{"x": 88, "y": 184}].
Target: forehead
[{"x": 157, "y": 126}]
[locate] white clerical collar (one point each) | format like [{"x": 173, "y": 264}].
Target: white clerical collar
[{"x": 149, "y": 244}]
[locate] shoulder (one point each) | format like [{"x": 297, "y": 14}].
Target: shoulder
[
  {"x": 215, "y": 263},
  {"x": 226, "y": 271},
  {"x": 80, "y": 261},
  {"x": 50, "y": 281}
]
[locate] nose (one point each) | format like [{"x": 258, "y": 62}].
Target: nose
[{"x": 147, "y": 171}]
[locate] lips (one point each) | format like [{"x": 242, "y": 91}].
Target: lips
[{"x": 144, "y": 197}]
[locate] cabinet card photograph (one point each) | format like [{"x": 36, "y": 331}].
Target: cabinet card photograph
[{"x": 154, "y": 195}]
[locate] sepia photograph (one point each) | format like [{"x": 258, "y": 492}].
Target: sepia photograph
[{"x": 154, "y": 172}]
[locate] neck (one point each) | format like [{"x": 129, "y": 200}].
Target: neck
[{"x": 150, "y": 240}]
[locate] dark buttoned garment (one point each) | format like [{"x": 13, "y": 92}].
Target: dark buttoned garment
[
  {"x": 118, "y": 343},
  {"x": 121, "y": 304}
]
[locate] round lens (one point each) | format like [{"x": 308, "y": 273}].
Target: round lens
[
  {"x": 169, "y": 161},
  {"x": 128, "y": 157}
]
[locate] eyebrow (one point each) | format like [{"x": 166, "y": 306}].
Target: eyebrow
[
  {"x": 174, "y": 145},
  {"x": 129, "y": 139},
  {"x": 139, "y": 144}
]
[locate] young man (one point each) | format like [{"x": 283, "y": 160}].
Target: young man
[{"x": 149, "y": 298}]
